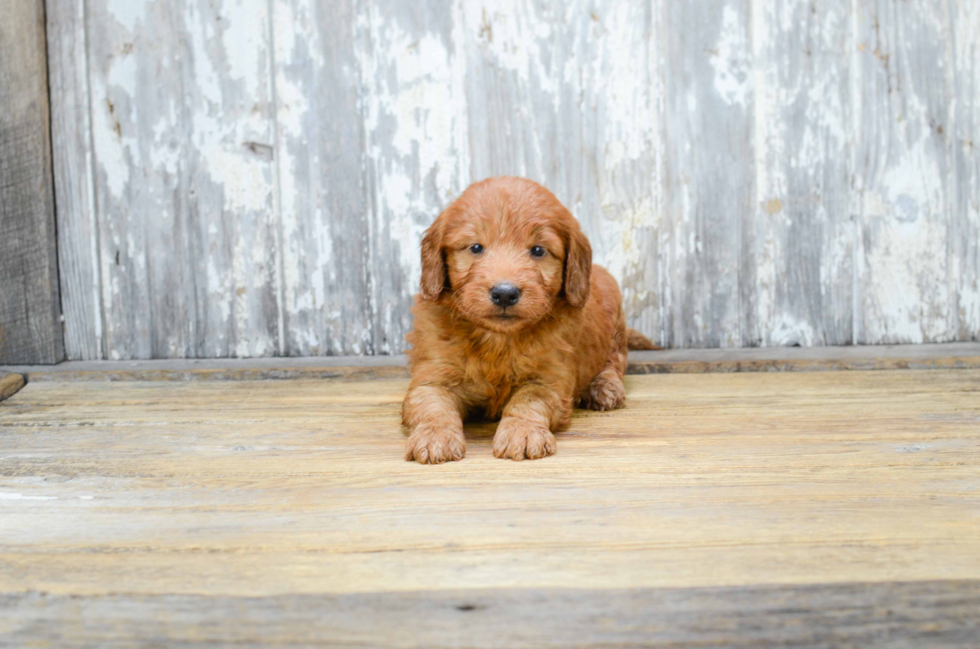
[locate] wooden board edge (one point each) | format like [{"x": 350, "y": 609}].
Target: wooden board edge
[
  {"x": 693, "y": 361},
  {"x": 886, "y": 614},
  {"x": 803, "y": 365},
  {"x": 245, "y": 373}
]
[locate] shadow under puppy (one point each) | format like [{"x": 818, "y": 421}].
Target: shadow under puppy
[{"x": 513, "y": 322}]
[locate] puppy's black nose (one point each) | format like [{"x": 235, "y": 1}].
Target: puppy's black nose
[{"x": 505, "y": 294}]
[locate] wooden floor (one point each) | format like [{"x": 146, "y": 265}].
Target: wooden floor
[{"x": 770, "y": 509}]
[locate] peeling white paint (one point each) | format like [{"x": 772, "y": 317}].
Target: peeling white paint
[
  {"x": 770, "y": 180},
  {"x": 244, "y": 26},
  {"x": 512, "y": 39},
  {"x": 213, "y": 120},
  {"x": 413, "y": 108},
  {"x": 128, "y": 13},
  {"x": 906, "y": 289},
  {"x": 116, "y": 149},
  {"x": 787, "y": 331},
  {"x": 729, "y": 60}
]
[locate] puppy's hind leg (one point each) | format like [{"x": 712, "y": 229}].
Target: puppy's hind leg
[{"x": 606, "y": 392}]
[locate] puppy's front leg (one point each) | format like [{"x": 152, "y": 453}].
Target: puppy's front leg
[
  {"x": 524, "y": 431},
  {"x": 434, "y": 417}
]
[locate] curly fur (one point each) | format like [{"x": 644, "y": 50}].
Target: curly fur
[{"x": 563, "y": 343}]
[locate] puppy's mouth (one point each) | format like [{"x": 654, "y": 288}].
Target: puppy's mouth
[{"x": 503, "y": 322}]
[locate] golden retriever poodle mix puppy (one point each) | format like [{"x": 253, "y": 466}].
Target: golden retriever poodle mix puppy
[{"x": 513, "y": 322}]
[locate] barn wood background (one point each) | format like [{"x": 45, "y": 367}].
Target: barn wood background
[{"x": 252, "y": 177}]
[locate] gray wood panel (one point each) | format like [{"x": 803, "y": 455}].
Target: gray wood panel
[
  {"x": 183, "y": 132},
  {"x": 327, "y": 307},
  {"x": 964, "y": 142},
  {"x": 30, "y": 309},
  {"x": 71, "y": 135},
  {"x": 710, "y": 190},
  {"x": 897, "y": 615},
  {"x": 799, "y": 267},
  {"x": 753, "y": 172},
  {"x": 902, "y": 167},
  {"x": 571, "y": 95},
  {"x": 412, "y": 97}
]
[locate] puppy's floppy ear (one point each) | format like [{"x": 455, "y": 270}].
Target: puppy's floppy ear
[
  {"x": 578, "y": 268},
  {"x": 433, "y": 265}
]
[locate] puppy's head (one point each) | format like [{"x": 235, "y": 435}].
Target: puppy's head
[{"x": 504, "y": 254}]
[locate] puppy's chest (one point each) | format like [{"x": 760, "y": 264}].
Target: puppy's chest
[{"x": 491, "y": 381}]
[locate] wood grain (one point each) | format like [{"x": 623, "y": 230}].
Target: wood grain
[
  {"x": 903, "y": 112},
  {"x": 910, "y": 615},
  {"x": 752, "y": 172},
  {"x": 30, "y": 309},
  {"x": 964, "y": 148},
  {"x": 790, "y": 510},
  {"x": 676, "y": 361},
  {"x": 327, "y": 304},
  {"x": 77, "y": 214},
  {"x": 183, "y": 148},
  {"x": 710, "y": 191},
  {"x": 413, "y": 97},
  {"x": 571, "y": 95},
  {"x": 799, "y": 235},
  {"x": 264, "y": 488}
]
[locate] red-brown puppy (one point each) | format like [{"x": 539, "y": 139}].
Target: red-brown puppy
[{"x": 513, "y": 322}]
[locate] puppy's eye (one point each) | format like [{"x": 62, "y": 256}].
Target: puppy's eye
[
  {"x": 476, "y": 248},
  {"x": 537, "y": 251}
]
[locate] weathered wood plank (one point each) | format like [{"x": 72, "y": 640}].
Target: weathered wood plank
[
  {"x": 71, "y": 137},
  {"x": 964, "y": 139},
  {"x": 710, "y": 193},
  {"x": 716, "y": 174},
  {"x": 264, "y": 488},
  {"x": 677, "y": 361},
  {"x": 913, "y": 615},
  {"x": 346, "y": 369},
  {"x": 902, "y": 76},
  {"x": 184, "y": 146},
  {"x": 799, "y": 276},
  {"x": 30, "y": 309},
  {"x": 412, "y": 73},
  {"x": 327, "y": 286},
  {"x": 571, "y": 95}
]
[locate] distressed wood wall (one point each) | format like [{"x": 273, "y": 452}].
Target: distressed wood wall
[{"x": 252, "y": 177}]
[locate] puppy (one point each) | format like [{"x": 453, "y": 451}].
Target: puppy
[{"x": 513, "y": 322}]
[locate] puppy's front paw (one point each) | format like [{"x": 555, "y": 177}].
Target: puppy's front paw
[
  {"x": 430, "y": 445},
  {"x": 517, "y": 439}
]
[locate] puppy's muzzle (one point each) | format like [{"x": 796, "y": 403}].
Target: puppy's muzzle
[{"x": 505, "y": 294}]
